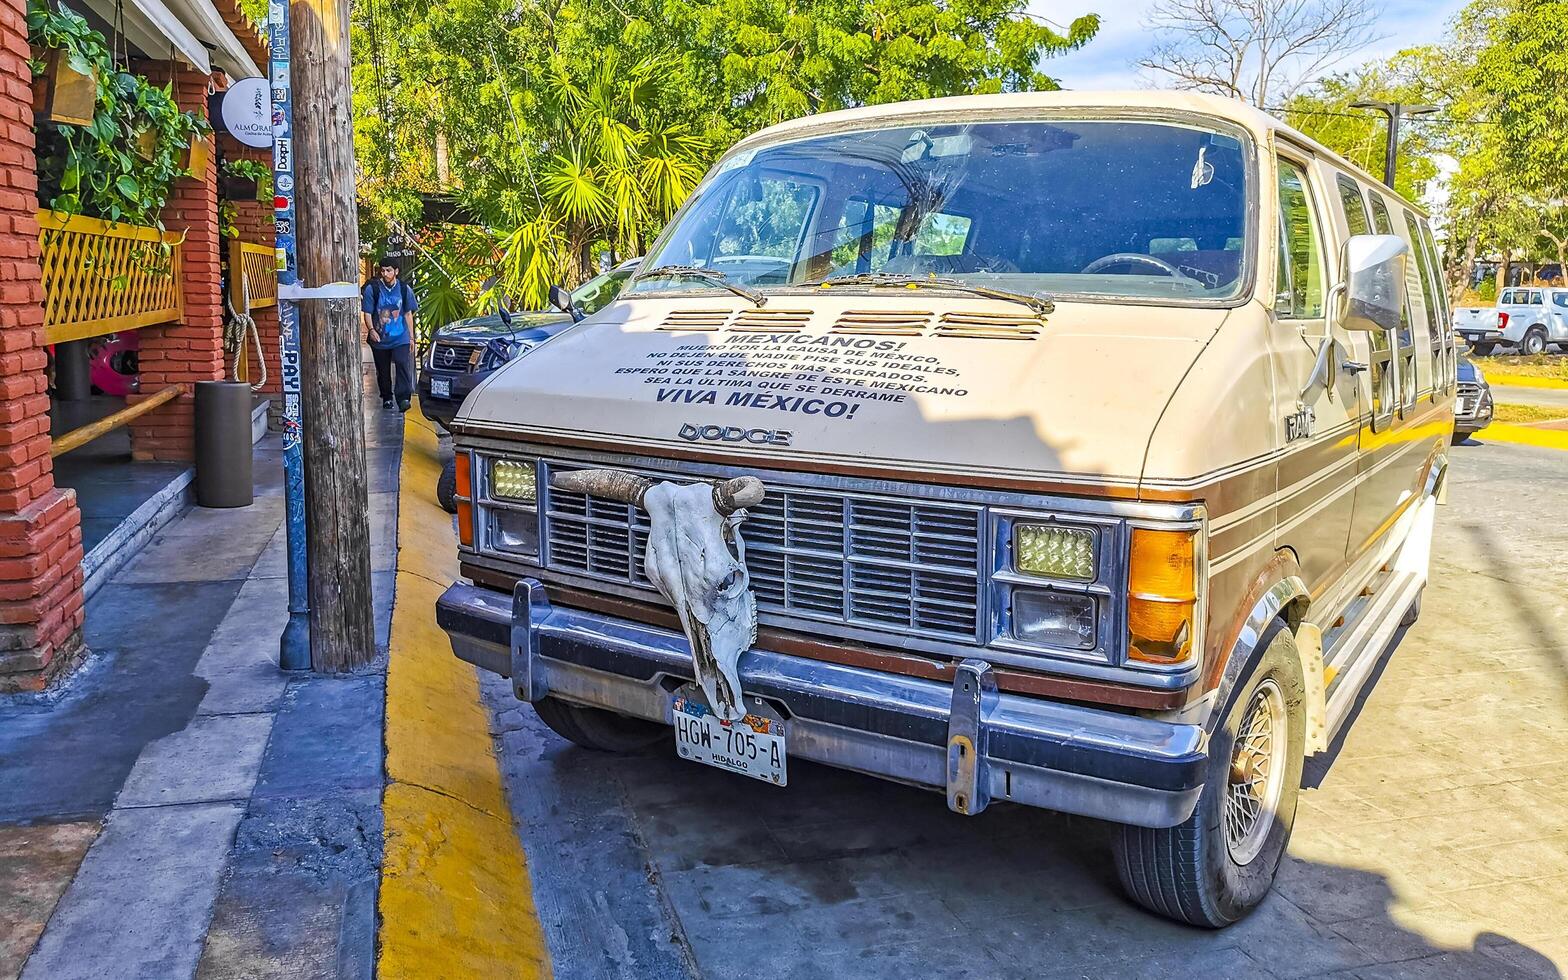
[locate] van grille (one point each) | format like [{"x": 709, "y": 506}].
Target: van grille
[
  {"x": 889, "y": 323},
  {"x": 695, "y": 320},
  {"x": 908, "y": 565},
  {"x": 983, "y": 326},
  {"x": 768, "y": 320}
]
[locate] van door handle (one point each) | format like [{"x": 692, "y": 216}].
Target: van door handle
[{"x": 1352, "y": 367}]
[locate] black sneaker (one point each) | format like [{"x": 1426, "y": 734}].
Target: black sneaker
[
  {"x": 387, "y": 403},
  {"x": 402, "y": 406}
]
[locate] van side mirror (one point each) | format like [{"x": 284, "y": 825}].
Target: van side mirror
[
  {"x": 562, "y": 300},
  {"x": 1372, "y": 276}
]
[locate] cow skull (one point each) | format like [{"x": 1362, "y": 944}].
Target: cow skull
[{"x": 697, "y": 559}]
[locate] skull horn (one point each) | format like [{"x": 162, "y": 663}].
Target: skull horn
[
  {"x": 738, "y": 494},
  {"x": 628, "y": 488}
]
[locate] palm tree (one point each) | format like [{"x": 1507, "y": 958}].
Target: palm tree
[{"x": 606, "y": 168}]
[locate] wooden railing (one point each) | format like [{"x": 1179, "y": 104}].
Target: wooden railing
[
  {"x": 101, "y": 277},
  {"x": 258, "y": 286}
]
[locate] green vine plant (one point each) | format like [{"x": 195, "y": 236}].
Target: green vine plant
[
  {"x": 254, "y": 170},
  {"x": 122, "y": 167}
]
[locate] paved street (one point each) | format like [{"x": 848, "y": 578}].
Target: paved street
[{"x": 1432, "y": 842}]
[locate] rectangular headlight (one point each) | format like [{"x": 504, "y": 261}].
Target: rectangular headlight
[
  {"x": 1054, "y": 619},
  {"x": 514, "y": 531},
  {"x": 1054, "y": 551},
  {"x": 512, "y": 479}
]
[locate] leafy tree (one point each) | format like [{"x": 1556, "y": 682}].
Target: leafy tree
[
  {"x": 1324, "y": 112},
  {"x": 577, "y": 127},
  {"x": 1523, "y": 70}
]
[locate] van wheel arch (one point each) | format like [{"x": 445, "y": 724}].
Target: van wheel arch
[{"x": 1278, "y": 596}]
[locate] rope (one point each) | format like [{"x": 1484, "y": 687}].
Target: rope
[{"x": 234, "y": 334}]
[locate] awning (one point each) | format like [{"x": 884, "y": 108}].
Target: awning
[
  {"x": 153, "y": 28},
  {"x": 202, "y": 17}
]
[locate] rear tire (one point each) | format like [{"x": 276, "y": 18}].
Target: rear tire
[
  {"x": 1217, "y": 866},
  {"x": 446, "y": 487},
  {"x": 600, "y": 730},
  {"x": 1534, "y": 342},
  {"x": 1482, "y": 350}
]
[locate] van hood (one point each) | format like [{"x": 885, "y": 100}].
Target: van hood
[{"x": 922, "y": 383}]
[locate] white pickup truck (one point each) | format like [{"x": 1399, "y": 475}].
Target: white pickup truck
[{"x": 1526, "y": 317}]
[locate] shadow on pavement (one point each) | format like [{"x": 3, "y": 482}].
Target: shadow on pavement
[{"x": 842, "y": 875}]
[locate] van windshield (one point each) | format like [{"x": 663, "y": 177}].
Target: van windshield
[{"x": 1097, "y": 208}]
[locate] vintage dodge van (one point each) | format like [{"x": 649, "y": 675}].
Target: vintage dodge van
[{"x": 1077, "y": 450}]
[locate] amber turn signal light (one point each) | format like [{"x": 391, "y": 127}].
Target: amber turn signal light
[{"x": 1162, "y": 604}]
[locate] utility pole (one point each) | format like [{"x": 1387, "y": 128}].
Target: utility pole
[
  {"x": 342, "y": 635},
  {"x": 294, "y": 645},
  {"x": 1395, "y": 111}
]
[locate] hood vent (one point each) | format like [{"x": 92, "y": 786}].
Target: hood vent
[
  {"x": 766, "y": 320},
  {"x": 695, "y": 320},
  {"x": 982, "y": 326},
  {"x": 883, "y": 323}
]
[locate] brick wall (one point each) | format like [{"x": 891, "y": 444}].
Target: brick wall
[
  {"x": 191, "y": 350},
  {"x": 40, "y": 527}
]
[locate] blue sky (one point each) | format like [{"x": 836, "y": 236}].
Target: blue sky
[{"x": 1107, "y": 61}]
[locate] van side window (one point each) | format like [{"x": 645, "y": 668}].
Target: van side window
[
  {"x": 1300, "y": 288},
  {"x": 1354, "y": 204},
  {"x": 1380, "y": 218},
  {"x": 1428, "y": 283}
]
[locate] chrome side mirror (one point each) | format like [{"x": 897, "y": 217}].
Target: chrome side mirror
[{"x": 1372, "y": 278}]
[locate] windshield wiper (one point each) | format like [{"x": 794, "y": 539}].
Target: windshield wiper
[
  {"x": 1038, "y": 302},
  {"x": 710, "y": 275}
]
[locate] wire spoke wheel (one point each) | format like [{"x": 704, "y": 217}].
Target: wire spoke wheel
[{"x": 1257, "y": 773}]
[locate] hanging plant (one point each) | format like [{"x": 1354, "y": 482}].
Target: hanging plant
[
  {"x": 65, "y": 88},
  {"x": 122, "y": 165},
  {"x": 245, "y": 180}
]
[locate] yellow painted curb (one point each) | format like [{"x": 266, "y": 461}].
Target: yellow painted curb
[
  {"x": 455, "y": 898},
  {"x": 1524, "y": 435},
  {"x": 1524, "y": 381}
]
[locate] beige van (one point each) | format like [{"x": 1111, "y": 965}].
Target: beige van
[{"x": 1077, "y": 450}]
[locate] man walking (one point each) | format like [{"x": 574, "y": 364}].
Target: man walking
[{"x": 387, "y": 308}]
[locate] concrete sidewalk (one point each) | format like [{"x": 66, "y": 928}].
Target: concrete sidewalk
[{"x": 180, "y": 807}]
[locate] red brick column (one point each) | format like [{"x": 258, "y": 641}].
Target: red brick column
[
  {"x": 40, "y": 527},
  {"x": 191, "y": 350},
  {"x": 254, "y": 220}
]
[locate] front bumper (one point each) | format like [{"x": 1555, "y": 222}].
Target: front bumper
[
  {"x": 444, "y": 409},
  {"x": 1478, "y": 417},
  {"x": 964, "y": 737}
]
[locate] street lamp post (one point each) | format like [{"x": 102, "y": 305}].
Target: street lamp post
[{"x": 1395, "y": 111}]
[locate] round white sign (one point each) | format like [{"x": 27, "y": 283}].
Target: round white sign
[{"x": 247, "y": 112}]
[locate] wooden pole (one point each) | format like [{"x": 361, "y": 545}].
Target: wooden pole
[{"x": 342, "y": 635}]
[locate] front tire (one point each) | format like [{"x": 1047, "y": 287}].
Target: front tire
[
  {"x": 1217, "y": 866},
  {"x": 1482, "y": 350},
  {"x": 600, "y": 730},
  {"x": 446, "y": 487},
  {"x": 1534, "y": 342}
]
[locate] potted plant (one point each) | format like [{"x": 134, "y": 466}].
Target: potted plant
[
  {"x": 64, "y": 93},
  {"x": 245, "y": 180},
  {"x": 197, "y": 155}
]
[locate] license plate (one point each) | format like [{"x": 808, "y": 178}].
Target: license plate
[
  {"x": 1462, "y": 408},
  {"x": 752, "y": 746},
  {"x": 441, "y": 387}
]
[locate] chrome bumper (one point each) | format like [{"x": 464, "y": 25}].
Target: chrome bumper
[{"x": 963, "y": 737}]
